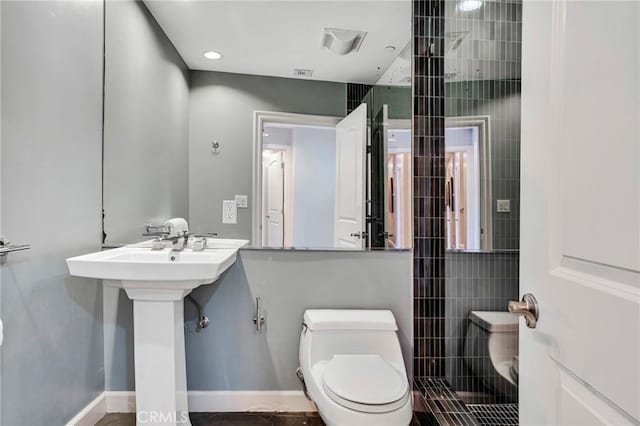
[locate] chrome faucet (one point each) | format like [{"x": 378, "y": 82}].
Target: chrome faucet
[
  {"x": 163, "y": 236},
  {"x": 200, "y": 240},
  {"x": 178, "y": 242}
]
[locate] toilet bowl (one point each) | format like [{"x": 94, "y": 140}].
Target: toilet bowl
[
  {"x": 353, "y": 369},
  {"x": 491, "y": 350}
]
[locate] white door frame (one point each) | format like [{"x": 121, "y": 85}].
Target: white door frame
[
  {"x": 260, "y": 118},
  {"x": 482, "y": 123}
]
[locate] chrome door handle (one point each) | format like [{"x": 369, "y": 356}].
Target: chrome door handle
[{"x": 527, "y": 308}]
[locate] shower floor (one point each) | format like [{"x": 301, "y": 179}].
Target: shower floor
[{"x": 495, "y": 414}]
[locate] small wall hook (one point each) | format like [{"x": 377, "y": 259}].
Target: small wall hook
[
  {"x": 215, "y": 145},
  {"x": 258, "y": 319}
]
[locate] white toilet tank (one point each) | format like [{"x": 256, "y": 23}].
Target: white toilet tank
[{"x": 327, "y": 332}]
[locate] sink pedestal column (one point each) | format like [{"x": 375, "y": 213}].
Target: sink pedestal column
[{"x": 160, "y": 371}]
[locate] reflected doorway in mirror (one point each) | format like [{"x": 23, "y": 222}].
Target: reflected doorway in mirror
[{"x": 468, "y": 195}]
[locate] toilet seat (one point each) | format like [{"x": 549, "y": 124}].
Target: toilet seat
[{"x": 365, "y": 383}]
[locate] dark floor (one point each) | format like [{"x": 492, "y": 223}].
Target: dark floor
[
  {"x": 443, "y": 406},
  {"x": 495, "y": 414},
  {"x": 228, "y": 419},
  {"x": 231, "y": 419}
]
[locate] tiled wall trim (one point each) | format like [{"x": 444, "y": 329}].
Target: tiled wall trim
[{"x": 428, "y": 188}]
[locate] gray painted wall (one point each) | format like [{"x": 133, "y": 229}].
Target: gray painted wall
[
  {"x": 230, "y": 355},
  {"x": 52, "y": 355},
  {"x": 398, "y": 99},
  {"x": 221, "y": 109},
  {"x": 314, "y": 152},
  {"x": 145, "y": 124}
]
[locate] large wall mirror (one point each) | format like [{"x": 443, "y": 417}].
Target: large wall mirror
[
  {"x": 482, "y": 127},
  {"x": 284, "y": 123}
]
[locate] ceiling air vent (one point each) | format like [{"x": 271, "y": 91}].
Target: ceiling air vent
[
  {"x": 342, "y": 42},
  {"x": 302, "y": 72}
]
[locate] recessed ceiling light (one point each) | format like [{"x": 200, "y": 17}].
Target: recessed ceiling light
[
  {"x": 469, "y": 5},
  {"x": 212, "y": 55}
]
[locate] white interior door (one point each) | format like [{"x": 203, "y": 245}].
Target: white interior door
[
  {"x": 350, "y": 153},
  {"x": 580, "y": 235},
  {"x": 273, "y": 190}
]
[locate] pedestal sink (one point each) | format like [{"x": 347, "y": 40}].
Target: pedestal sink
[{"x": 157, "y": 281}]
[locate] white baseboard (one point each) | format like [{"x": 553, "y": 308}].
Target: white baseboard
[
  {"x": 223, "y": 401},
  {"x": 90, "y": 414},
  {"x": 121, "y": 402}
]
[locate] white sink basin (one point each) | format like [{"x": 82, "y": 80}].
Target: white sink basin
[
  {"x": 157, "y": 281},
  {"x": 136, "y": 263}
]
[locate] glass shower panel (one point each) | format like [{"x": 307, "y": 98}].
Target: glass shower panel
[{"x": 482, "y": 143}]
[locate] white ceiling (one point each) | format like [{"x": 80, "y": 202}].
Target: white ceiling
[{"x": 273, "y": 37}]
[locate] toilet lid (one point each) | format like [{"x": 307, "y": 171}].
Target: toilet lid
[{"x": 364, "y": 379}]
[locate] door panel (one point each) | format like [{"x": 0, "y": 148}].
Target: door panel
[
  {"x": 580, "y": 233},
  {"x": 350, "y": 154},
  {"x": 274, "y": 200},
  {"x": 579, "y": 406}
]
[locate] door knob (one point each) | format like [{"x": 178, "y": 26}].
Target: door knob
[
  {"x": 527, "y": 308},
  {"x": 359, "y": 234}
]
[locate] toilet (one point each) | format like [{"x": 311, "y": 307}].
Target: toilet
[
  {"x": 491, "y": 350},
  {"x": 352, "y": 367}
]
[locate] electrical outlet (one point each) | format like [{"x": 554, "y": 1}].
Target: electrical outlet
[
  {"x": 241, "y": 200},
  {"x": 229, "y": 211},
  {"x": 503, "y": 206}
]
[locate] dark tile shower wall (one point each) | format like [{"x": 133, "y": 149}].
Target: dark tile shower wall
[
  {"x": 355, "y": 95},
  {"x": 479, "y": 53},
  {"x": 428, "y": 188}
]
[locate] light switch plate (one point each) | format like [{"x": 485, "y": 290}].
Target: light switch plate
[
  {"x": 229, "y": 211},
  {"x": 242, "y": 201},
  {"x": 503, "y": 206}
]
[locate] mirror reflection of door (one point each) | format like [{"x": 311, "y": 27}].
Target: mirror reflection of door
[
  {"x": 273, "y": 196},
  {"x": 313, "y": 181},
  {"x": 306, "y": 188},
  {"x": 399, "y": 182},
  {"x": 350, "y": 182},
  {"x": 467, "y": 186}
]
